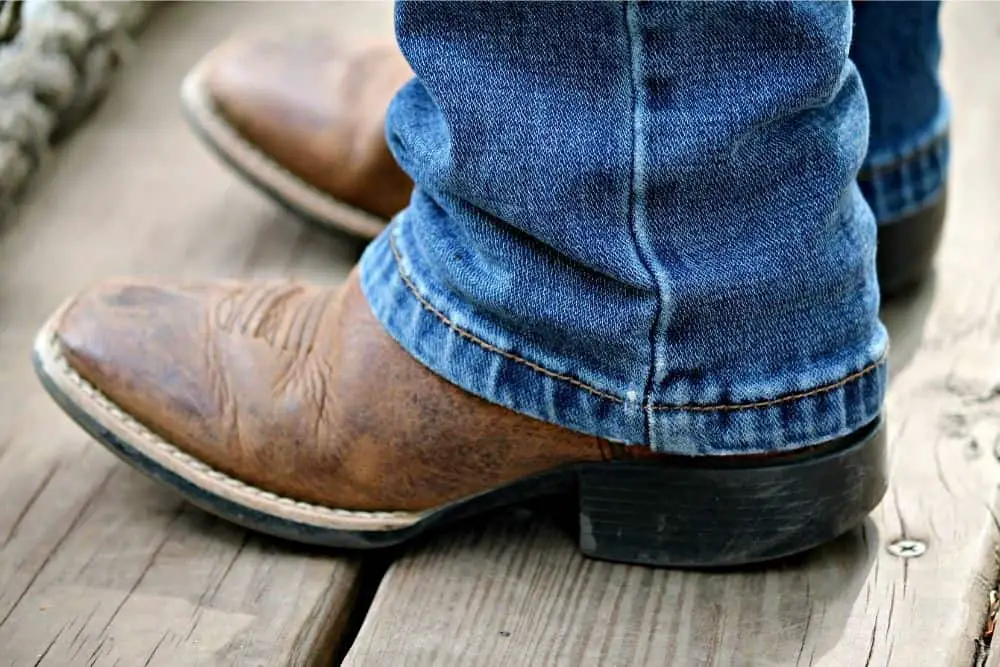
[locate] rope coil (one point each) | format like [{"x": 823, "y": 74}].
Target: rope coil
[{"x": 57, "y": 60}]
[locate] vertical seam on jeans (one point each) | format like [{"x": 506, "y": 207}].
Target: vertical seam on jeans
[{"x": 635, "y": 174}]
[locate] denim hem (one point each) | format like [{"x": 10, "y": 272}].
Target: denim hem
[
  {"x": 502, "y": 376},
  {"x": 899, "y": 183}
]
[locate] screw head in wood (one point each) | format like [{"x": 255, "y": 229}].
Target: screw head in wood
[{"x": 907, "y": 548}]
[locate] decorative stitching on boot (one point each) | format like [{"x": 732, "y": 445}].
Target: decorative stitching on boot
[{"x": 721, "y": 407}]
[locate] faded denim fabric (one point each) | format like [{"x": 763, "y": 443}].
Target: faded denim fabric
[
  {"x": 897, "y": 49},
  {"x": 638, "y": 220}
]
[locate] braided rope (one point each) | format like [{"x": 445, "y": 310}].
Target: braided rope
[{"x": 57, "y": 60}]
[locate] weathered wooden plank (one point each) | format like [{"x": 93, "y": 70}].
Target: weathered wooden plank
[
  {"x": 515, "y": 592},
  {"x": 99, "y": 566}
]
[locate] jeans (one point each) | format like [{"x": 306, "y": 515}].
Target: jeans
[
  {"x": 897, "y": 50},
  {"x": 639, "y": 221}
]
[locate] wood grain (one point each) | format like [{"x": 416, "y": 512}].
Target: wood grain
[
  {"x": 514, "y": 591},
  {"x": 98, "y": 565}
]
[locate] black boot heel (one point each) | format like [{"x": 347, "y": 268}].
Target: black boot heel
[
  {"x": 715, "y": 511},
  {"x": 906, "y": 249}
]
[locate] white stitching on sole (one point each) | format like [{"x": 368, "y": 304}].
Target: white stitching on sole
[{"x": 52, "y": 350}]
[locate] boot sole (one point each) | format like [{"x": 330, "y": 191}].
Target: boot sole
[
  {"x": 310, "y": 204},
  {"x": 676, "y": 511}
]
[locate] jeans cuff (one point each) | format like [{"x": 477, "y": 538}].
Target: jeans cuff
[
  {"x": 431, "y": 333},
  {"x": 898, "y": 183}
]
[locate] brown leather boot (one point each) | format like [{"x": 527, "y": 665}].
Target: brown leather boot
[
  {"x": 288, "y": 409},
  {"x": 302, "y": 117}
]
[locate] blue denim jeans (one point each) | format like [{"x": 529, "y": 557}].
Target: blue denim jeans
[
  {"x": 639, "y": 221},
  {"x": 897, "y": 50}
]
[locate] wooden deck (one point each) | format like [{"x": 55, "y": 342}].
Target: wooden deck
[{"x": 99, "y": 566}]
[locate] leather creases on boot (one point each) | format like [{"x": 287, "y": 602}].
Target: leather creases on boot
[{"x": 299, "y": 391}]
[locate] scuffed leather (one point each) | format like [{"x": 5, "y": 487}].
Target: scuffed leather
[
  {"x": 317, "y": 107},
  {"x": 298, "y": 390}
]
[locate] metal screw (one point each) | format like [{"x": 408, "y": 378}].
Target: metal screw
[
  {"x": 971, "y": 450},
  {"x": 908, "y": 548}
]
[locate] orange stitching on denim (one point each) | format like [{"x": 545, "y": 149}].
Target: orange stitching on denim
[
  {"x": 482, "y": 343},
  {"x": 733, "y": 407},
  {"x": 776, "y": 401}
]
